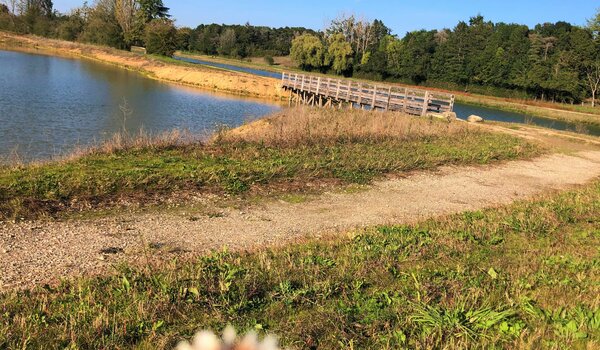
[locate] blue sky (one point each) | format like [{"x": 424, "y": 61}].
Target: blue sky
[{"x": 401, "y": 15}]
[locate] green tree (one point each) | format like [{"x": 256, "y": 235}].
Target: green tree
[
  {"x": 36, "y": 16},
  {"x": 184, "y": 37},
  {"x": 339, "y": 53},
  {"x": 593, "y": 24},
  {"x": 228, "y": 43},
  {"x": 410, "y": 58},
  {"x": 308, "y": 52},
  {"x": 161, "y": 37},
  {"x": 152, "y": 9},
  {"x": 72, "y": 26},
  {"x": 102, "y": 27}
]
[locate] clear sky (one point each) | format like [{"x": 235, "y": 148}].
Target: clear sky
[{"x": 400, "y": 15}]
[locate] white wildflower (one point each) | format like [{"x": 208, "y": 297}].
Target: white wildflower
[
  {"x": 229, "y": 335},
  {"x": 206, "y": 340},
  {"x": 184, "y": 345},
  {"x": 270, "y": 342},
  {"x": 249, "y": 342}
]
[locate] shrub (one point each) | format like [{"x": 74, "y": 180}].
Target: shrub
[
  {"x": 161, "y": 37},
  {"x": 269, "y": 60}
]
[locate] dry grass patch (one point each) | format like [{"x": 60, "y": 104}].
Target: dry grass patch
[{"x": 305, "y": 125}]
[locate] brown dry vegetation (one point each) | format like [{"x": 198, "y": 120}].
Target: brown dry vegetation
[
  {"x": 299, "y": 125},
  {"x": 153, "y": 67}
]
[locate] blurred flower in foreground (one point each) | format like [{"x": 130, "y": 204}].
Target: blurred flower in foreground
[{"x": 207, "y": 340}]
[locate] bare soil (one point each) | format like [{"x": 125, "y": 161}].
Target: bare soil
[{"x": 35, "y": 253}]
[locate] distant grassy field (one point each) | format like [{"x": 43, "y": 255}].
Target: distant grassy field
[
  {"x": 299, "y": 146},
  {"x": 524, "y": 276}
]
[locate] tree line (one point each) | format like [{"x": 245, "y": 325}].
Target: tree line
[
  {"x": 552, "y": 61},
  {"x": 116, "y": 23},
  {"x": 243, "y": 40},
  {"x": 125, "y": 23}
]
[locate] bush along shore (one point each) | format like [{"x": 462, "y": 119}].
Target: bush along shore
[
  {"x": 297, "y": 147},
  {"x": 524, "y": 276}
]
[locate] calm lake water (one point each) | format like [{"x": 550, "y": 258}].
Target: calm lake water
[
  {"x": 50, "y": 105},
  {"x": 464, "y": 111}
]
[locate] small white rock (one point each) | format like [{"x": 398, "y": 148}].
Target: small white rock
[{"x": 474, "y": 119}]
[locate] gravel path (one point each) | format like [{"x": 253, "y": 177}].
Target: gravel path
[{"x": 42, "y": 252}]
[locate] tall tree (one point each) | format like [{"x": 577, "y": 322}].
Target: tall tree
[
  {"x": 308, "y": 52},
  {"x": 125, "y": 13},
  {"x": 339, "y": 53},
  {"x": 593, "y": 24},
  {"x": 227, "y": 43},
  {"x": 102, "y": 27},
  {"x": 152, "y": 9},
  {"x": 161, "y": 37}
]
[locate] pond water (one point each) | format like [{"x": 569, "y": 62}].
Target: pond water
[
  {"x": 262, "y": 73},
  {"x": 50, "y": 105},
  {"x": 462, "y": 110}
]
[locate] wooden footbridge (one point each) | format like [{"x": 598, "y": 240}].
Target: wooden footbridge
[{"x": 328, "y": 92}]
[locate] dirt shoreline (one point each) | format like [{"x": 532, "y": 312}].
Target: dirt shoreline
[{"x": 194, "y": 76}]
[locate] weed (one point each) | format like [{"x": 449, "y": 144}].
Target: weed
[{"x": 483, "y": 279}]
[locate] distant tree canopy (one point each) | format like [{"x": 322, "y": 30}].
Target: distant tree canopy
[
  {"x": 339, "y": 54},
  {"x": 116, "y": 23},
  {"x": 552, "y": 61},
  {"x": 213, "y": 39}
]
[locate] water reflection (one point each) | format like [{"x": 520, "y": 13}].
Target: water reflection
[{"x": 49, "y": 105}]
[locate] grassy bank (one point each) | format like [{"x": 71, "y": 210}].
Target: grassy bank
[
  {"x": 290, "y": 150},
  {"x": 521, "y": 276},
  {"x": 158, "y": 68}
]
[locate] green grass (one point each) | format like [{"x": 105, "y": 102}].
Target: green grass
[
  {"x": 98, "y": 179},
  {"x": 521, "y": 276}
]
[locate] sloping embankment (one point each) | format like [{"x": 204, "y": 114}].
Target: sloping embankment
[{"x": 180, "y": 73}]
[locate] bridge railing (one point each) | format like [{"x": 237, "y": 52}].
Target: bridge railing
[{"x": 376, "y": 96}]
